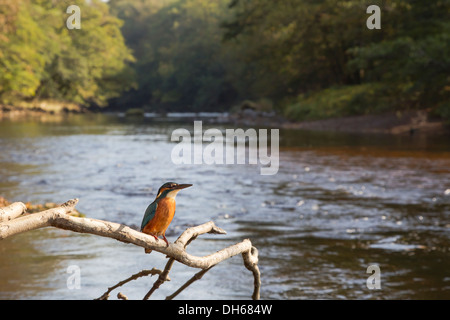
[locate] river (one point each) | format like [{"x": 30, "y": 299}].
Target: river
[{"x": 338, "y": 204}]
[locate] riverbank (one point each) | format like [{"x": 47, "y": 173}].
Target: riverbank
[
  {"x": 38, "y": 109},
  {"x": 406, "y": 122}
]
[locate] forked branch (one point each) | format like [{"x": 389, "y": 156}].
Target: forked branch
[{"x": 59, "y": 218}]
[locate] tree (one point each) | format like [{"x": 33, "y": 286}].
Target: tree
[
  {"x": 42, "y": 59},
  {"x": 300, "y": 52},
  {"x": 414, "y": 58},
  {"x": 21, "y": 46},
  {"x": 178, "y": 47}
]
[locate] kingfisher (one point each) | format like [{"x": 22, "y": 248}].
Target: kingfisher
[{"x": 159, "y": 213}]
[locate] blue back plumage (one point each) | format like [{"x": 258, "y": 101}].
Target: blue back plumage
[{"x": 149, "y": 213}]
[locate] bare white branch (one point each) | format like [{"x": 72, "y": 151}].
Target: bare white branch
[
  {"x": 12, "y": 211},
  {"x": 59, "y": 217}
]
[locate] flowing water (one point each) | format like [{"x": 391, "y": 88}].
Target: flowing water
[{"x": 338, "y": 204}]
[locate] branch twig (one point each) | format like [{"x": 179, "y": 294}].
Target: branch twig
[
  {"x": 196, "y": 277},
  {"x": 163, "y": 277},
  {"x": 138, "y": 275}
]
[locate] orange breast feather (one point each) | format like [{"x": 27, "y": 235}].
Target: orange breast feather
[{"x": 163, "y": 217}]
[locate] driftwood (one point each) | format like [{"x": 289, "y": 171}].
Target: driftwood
[{"x": 12, "y": 222}]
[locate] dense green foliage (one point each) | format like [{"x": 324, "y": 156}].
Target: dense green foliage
[
  {"x": 323, "y": 61},
  {"x": 312, "y": 59},
  {"x": 309, "y": 58},
  {"x": 42, "y": 59},
  {"x": 181, "y": 62}
]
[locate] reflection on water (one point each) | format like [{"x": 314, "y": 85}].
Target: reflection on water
[{"x": 339, "y": 203}]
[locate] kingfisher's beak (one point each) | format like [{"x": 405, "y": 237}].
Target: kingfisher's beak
[{"x": 182, "y": 186}]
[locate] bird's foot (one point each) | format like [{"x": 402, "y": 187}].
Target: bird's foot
[{"x": 167, "y": 242}]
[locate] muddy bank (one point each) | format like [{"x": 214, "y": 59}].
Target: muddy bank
[
  {"x": 408, "y": 122},
  {"x": 39, "y": 109}
]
